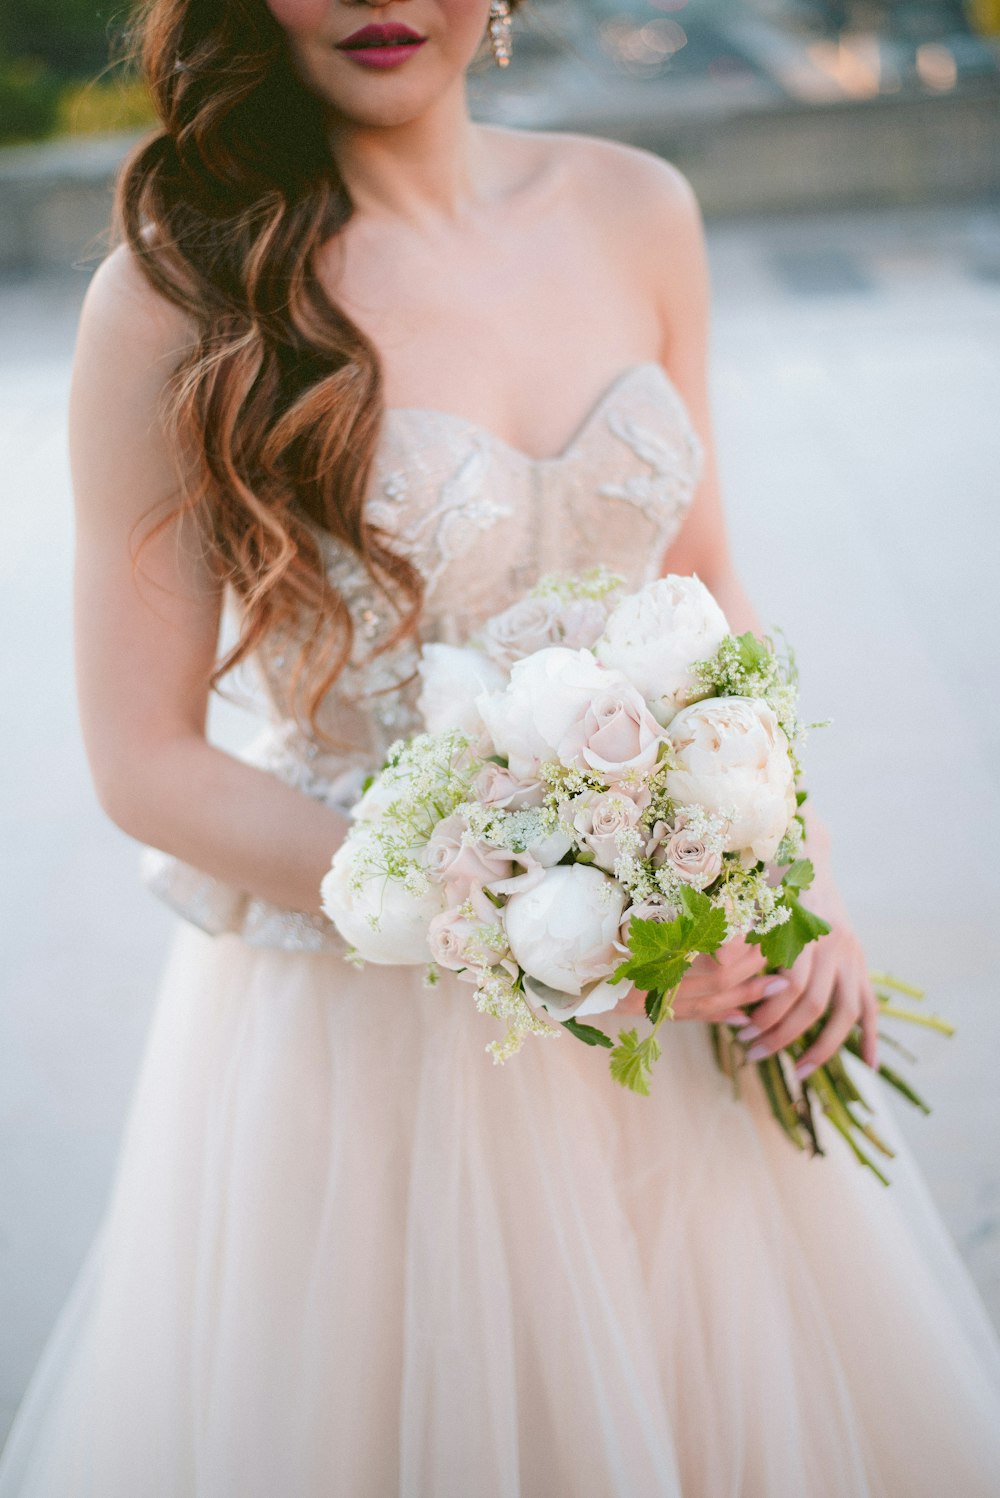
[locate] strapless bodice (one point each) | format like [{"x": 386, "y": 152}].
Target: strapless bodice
[{"x": 482, "y": 521}]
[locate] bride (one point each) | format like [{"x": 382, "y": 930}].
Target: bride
[{"x": 362, "y": 370}]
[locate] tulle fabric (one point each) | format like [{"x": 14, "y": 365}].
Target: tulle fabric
[{"x": 345, "y": 1254}]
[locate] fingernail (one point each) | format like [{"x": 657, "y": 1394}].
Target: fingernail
[
  {"x": 776, "y": 985},
  {"x": 803, "y": 1068},
  {"x": 757, "y": 1052},
  {"x": 750, "y": 1032},
  {"x": 737, "y": 1020}
]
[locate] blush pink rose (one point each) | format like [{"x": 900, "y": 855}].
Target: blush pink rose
[
  {"x": 616, "y": 735},
  {"x": 495, "y": 785},
  {"x": 459, "y": 865}
]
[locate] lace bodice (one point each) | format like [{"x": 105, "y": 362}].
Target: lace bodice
[{"x": 482, "y": 521}]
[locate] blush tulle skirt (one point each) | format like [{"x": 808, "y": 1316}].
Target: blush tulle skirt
[{"x": 346, "y": 1256}]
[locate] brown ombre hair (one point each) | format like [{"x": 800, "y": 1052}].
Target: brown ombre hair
[{"x": 278, "y": 403}]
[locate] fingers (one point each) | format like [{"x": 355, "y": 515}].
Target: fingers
[
  {"x": 723, "y": 1002},
  {"x": 809, "y": 1002},
  {"x": 705, "y": 978},
  {"x": 843, "y": 1018},
  {"x": 777, "y": 1002},
  {"x": 869, "y": 1022}
]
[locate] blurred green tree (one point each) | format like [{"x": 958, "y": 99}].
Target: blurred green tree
[
  {"x": 70, "y": 37},
  {"x": 51, "y": 53}
]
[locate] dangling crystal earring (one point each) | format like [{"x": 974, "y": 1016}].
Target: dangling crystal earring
[{"x": 500, "y": 31}]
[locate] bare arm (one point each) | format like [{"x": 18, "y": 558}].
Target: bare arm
[{"x": 144, "y": 646}]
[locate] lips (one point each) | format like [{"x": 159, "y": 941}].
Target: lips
[{"x": 391, "y": 34}]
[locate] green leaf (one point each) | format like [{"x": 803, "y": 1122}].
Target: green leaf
[
  {"x": 589, "y": 1034},
  {"x": 800, "y": 874},
  {"x": 651, "y": 944},
  {"x": 801, "y": 797},
  {"x": 632, "y": 1059},
  {"x": 782, "y": 944},
  {"x": 753, "y": 654},
  {"x": 708, "y": 930}
]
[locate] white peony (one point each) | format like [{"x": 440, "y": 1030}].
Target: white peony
[
  {"x": 732, "y": 756},
  {"x": 452, "y": 678},
  {"x": 386, "y": 788},
  {"x": 548, "y": 693},
  {"x": 564, "y": 933},
  {"x": 382, "y": 920},
  {"x": 655, "y": 635}
]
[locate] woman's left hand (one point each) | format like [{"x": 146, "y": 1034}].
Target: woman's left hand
[{"x": 829, "y": 977}]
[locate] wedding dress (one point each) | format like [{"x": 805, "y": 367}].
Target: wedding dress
[{"x": 347, "y": 1256}]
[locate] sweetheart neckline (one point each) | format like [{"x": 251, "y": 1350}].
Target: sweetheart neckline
[{"x": 582, "y": 428}]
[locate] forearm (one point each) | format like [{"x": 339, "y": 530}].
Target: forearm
[{"x": 237, "y": 822}]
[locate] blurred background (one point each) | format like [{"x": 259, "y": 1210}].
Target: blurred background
[{"x": 847, "y": 159}]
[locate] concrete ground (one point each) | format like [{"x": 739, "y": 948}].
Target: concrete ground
[{"x": 856, "y": 382}]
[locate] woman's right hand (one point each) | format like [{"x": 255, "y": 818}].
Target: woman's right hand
[{"x": 717, "y": 987}]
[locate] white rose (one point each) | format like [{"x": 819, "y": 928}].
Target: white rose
[
  {"x": 547, "y": 694},
  {"x": 401, "y": 919},
  {"x": 733, "y": 754},
  {"x": 655, "y": 635},
  {"x": 453, "y": 678},
  {"x": 564, "y": 934}
]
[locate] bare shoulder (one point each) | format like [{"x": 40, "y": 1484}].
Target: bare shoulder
[
  {"x": 130, "y": 340},
  {"x": 642, "y": 206},
  {"x": 123, "y": 310},
  {"x": 631, "y": 183}
]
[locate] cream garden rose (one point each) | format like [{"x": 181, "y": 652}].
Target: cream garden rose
[
  {"x": 732, "y": 757},
  {"x": 656, "y": 634}
]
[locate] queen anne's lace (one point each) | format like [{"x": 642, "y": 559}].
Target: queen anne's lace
[{"x": 482, "y": 522}]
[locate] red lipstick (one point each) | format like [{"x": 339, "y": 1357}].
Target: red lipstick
[{"x": 381, "y": 45}]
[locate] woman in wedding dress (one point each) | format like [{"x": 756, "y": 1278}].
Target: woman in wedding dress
[{"x": 362, "y": 370}]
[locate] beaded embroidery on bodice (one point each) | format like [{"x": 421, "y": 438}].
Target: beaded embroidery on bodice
[{"x": 482, "y": 521}]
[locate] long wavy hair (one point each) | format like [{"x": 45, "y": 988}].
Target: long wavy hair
[{"x": 278, "y": 403}]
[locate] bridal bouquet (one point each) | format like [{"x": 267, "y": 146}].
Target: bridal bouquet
[{"x": 607, "y": 786}]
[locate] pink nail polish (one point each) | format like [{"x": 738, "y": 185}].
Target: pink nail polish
[
  {"x": 737, "y": 1020},
  {"x": 750, "y": 1032},
  {"x": 776, "y": 985},
  {"x": 803, "y": 1069},
  {"x": 757, "y": 1052}
]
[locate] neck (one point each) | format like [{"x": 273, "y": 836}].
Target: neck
[{"x": 423, "y": 170}]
